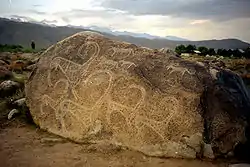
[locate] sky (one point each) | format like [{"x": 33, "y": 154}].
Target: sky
[{"x": 190, "y": 19}]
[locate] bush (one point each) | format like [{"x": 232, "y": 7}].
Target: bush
[
  {"x": 190, "y": 48},
  {"x": 203, "y": 50},
  {"x": 180, "y": 49}
]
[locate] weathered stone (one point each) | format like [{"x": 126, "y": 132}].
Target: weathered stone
[
  {"x": 20, "y": 102},
  {"x": 52, "y": 140},
  {"x": 3, "y": 63},
  {"x": 7, "y": 88},
  {"x": 239, "y": 165},
  {"x": 168, "y": 51},
  {"x": 207, "y": 151},
  {"x": 5, "y": 73},
  {"x": 92, "y": 89},
  {"x": 12, "y": 113},
  {"x": 5, "y": 56}
]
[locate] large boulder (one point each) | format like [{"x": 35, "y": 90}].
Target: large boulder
[{"x": 91, "y": 89}]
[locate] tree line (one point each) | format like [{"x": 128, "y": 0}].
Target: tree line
[{"x": 238, "y": 53}]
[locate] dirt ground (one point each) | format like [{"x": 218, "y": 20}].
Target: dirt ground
[{"x": 23, "y": 145}]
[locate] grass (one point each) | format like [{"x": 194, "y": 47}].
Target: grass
[
  {"x": 17, "y": 49},
  {"x": 20, "y": 78}
]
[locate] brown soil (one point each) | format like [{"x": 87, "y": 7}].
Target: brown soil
[{"x": 23, "y": 145}]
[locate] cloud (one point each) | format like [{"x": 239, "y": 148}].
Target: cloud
[
  {"x": 49, "y": 21},
  {"x": 22, "y": 18},
  {"x": 191, "y": 19},
  {"x": 219, "y": 10},
  {"x": 36, "y": 12},
  {"x": 99, "y": 17},
  {"x": 79, "y": 13},
  {"x": 37, "y": 5},
  {"x": 195, "y": 22}
]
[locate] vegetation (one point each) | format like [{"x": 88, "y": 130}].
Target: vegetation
[
  {"x": 16, "y": 49},
  {"x": 237, "y": 53}
]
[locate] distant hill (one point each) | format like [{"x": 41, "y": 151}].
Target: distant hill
[
  {"x": 22, "y": 33},
  {"x": 174, "y": 38}
]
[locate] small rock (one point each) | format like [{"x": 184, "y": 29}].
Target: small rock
[
  {"x": 8, "y": 87},
  {"x": 5, "y": 56},
  {"x": 104, "y": 147},
  {"x": 5, "y": 85},
  {"x": 51, "y": 140},
  {"x": 20, "y": 102},
  {"x": 2, "y": 63},
  {"x": 194, "y": 141},
  {"x": 208, "y": 152},
  {"x": 168, "y": 52},
  {"x": 239, "y": 165},
  {"x": 12, "y": 113},
  {"x": 4, "y": 72},
  {"x": 230, "y": 154}
]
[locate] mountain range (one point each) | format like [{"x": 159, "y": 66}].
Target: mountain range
[{"x": 19, "y": 31}]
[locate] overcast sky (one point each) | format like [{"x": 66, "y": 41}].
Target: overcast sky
[{"x": 191, "y": 19}]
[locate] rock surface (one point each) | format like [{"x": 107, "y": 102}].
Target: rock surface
[{"x": 92, "y": 89}]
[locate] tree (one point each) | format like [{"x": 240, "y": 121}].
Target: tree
[
  {"x": 33, "y": 45},
  {"x": 203, "y": 50},
  {"x": 237, "y": 53},
  {"x": 190, "y": 48},
  {"x": 219, "y": 52},
  {"x": 211, "y": 51},
  {"x": 247, "y": 53},
  {"x": 225, "y": 53},
  {"x": 180, "y": 49}
]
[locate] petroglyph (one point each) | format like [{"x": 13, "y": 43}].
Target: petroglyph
[
  {"x": 180, "y": 77},
  {"x": 125, "y": 64},
  {"x": 70, "y": 69},
  {"x": 122, "y": 52},
  {"x": 91, "y": 90}
]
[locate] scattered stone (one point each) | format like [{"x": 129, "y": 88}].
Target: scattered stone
[
  {"x": 5, "y": 56},
  {"x": 185, "y": 55},
  {"x": 5, "y": 73},
  {"x": 230, "y": 154},
  {"x": 7, "y": 88},
  {"x": 207, "y": 151},
  {"x": 194, "y": 142},
  {"x": 17, "y": 65},
  {"x": 105, "y": 148},
  {"x": 20, "y": 103},
  {"x": 239, "y": 165},
  {"x": 12, "y": 113},
  {"x": 52, "y": 140},
  {"x": 142, "y": 99},
  {"x": 168, "y": 51},
  {"x": 3, "y": 63}
]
